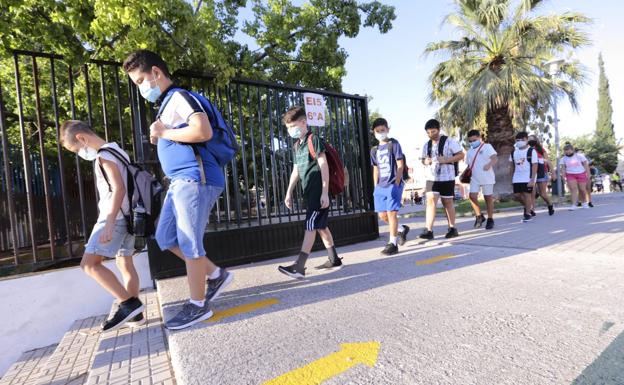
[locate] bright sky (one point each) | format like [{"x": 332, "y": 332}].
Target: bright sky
[{"x": 392, "y": 69}]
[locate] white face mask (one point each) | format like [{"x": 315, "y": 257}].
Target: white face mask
[
  {"x": 381, "y": 136},
  {"x": 521, "y": 144},
  {"x": 296, "y": 132},
  {"x": 88, "y": 153}
]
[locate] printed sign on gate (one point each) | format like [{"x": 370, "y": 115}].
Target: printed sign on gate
[{"x": 315, "y": 109}]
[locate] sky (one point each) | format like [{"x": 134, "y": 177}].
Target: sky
[{"x": 392, "y": 69}]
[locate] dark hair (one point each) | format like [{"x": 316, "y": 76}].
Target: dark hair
[
  {"x": 522, "y": 135},
  {"x": 293, "y": 114},
  {"x": 432, "y": 123},
  {"x": 473, "y": 133},
  {"x": 380, "y": 122},
  {"x": 144, "y": 60},
  {"x": 70, "y": 128}
]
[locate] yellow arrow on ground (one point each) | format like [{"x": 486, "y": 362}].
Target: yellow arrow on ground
[
  {"x": 329, "y": 366},
  {"x": 246, "y": 308},
  {"x": 434, "y": 259}
]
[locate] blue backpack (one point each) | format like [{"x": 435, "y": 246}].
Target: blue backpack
[{"x": 223, "y": 145}]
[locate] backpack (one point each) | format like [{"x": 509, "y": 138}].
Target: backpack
[
  {"x": 143, "y": 192},
  {"x": 405, "y": 175},
  {"x": 335, "y": 165},
  {"x": 441, "y": 144},
  {"x": 530, "y": 159},
  {"x": 223, "y": 145}
]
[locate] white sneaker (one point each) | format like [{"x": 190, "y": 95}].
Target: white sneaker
[
  {"x": 572, "y": 207},
  {"x": 585, "y": 206}
]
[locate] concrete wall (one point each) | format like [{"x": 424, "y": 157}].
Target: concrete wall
[{"x": 38, "y": 309}]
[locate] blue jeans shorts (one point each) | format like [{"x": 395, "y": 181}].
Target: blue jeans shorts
[
  {"x": 184, "y": 216},
  {"x": 388, "y": 198},
  {"x": 122, "y": 244}
]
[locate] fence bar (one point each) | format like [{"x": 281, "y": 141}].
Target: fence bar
[
  {"x": 241, "y": 123},
  {"x": 103, "y": 92},
  {"x": 119, "y": 116},
  {"x": 253, "y": 157},
  {"x": 234, "y": 164}
]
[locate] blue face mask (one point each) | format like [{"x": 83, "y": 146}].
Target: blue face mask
[
  {"x": 151, "y": 94},
  {"x": 475, "y": 144},
  {"x": 295, "y": 132}
]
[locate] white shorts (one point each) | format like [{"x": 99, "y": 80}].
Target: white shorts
[{"x": 487, "y": 189}]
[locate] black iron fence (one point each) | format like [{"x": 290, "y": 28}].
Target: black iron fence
[{"x": 47, "y": 195}]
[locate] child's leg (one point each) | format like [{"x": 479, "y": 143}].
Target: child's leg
[
  {"x": 393, "y": 223},
  {"x": 326, "y": 236},
  {"x": 308, "y": 241},
  {"x": 196, "y": 274},
  {"x": 129, "y": 274},
  {"x": 474, "y": 202},
  {"x": 450, "y": 210},
  {"x": 92, "y": 265},
  {"x": 526, "y": 199},
  {"x": 432, "y": 201}
]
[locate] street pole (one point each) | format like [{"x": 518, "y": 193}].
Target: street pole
[{"x": 559, "y": 184}]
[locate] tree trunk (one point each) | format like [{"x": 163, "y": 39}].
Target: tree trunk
[{"x": 500, "y": 134}]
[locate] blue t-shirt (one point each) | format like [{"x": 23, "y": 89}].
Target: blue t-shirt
[
  {"x": 386, "y": 162},
  {"x": 178, "y": 159}
]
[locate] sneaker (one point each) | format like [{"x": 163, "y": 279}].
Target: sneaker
[
  {"x": 292, "y": 271},
  {"x": 329, "y": 265},
  {"x": 585, "y": 206},
  {"x": 489, "y": 225},
  {"x": 578, "y": 204},
  {"x": 527, "y": 218},
  {"x": 137, "y": 321},
  {"x": 403, "y": 235},
  {"x": 390, "y": 249},
  {"x": 126, "y": 311},
  {"x": 533, "y": 213},
  {"x": 452, "y": 233},
  {"x": 572, "y": 208},
  {"x": 426, "y": 234},
  {"x": 551, "y": 210},
  {"x": 590, "y": 204},
  {"x": 479, "y": 219},
  {"x": 188, "y": 316},
  {"x": 216, "y": 286}
]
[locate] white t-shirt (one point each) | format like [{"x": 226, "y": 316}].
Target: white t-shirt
[
  {"x": 438, "y": 172},
  {"x": 522, "y": 171},
  {"x": 179, "y": 110},
  {"x": 106, "y": 196},
  {"x": 479, "y": 175},
  {"x": 574, "y": 164}
]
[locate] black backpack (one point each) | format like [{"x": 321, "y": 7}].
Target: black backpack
[
  {"x": 405, "y": 175},
  {"x": 540, "y": 167},
  {"x": 143, "y": 192},
  {"x": 441, "y": 144}
]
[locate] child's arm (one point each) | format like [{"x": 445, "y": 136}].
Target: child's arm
[
  {"x": 375, "y": 175},
  {"x": 534, "y": 173},
  {"x": 294, "y": 178},
  {"x": 197, "y": 131},
  {"x": 322, "y": 162},
  {"x": 399, "y": 174},
  {"x": 118, "y": 193},
  {"x": 513, "y": 166}
]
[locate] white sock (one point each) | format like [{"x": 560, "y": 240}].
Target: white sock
[
  {"x": 393, "y": 240},
  {"x": 215, "y": 274},
  {"x": 198, "y": 303}
]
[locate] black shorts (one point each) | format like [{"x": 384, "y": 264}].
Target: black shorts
[
  {"x": 446, "y": 189},
  {"x": 522, "y": 188},
  {"x": 316, "y": 219}
]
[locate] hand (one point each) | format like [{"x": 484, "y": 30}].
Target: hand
[
  {"x": 157, "y": 129},
  {"x": 107, "y": 232},
  {"x": 428, "y": 161},
  {"x": 442, "y": 159},
  {"x": 398, "y": 182},
  {"x": 288, "y": 201},
  {"x": 153, "y": 140},
  {"x": 324, "y": 201},
  {"x": 487, "y": 166},
  {"x": 531, "y": 183}
]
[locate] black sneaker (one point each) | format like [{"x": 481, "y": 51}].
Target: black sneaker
[
  {"x": 403, "y": 235},
  {"x": 527, "y": 218},
  {"x": 479, "y": 219},
  {"x": 292, "y": 271},
  {"x": 578, "y": 204},
  {"x": 329, "y": 265},
  {"x": 390, "y": 249},
  {"x": 126, "y": 311},
  {"x": 216, "y": 286},
  {"x": 551, "y": 210},
  {"x": 533, "y": 213},
  {"x": 489, "y": 224},
  {"x": 137, "y": 321},
  {"x": 590, "y": 204},
  {"x": 426, "y": 234},
  {"x": 188, "y": 316},
  {"x": 451, "y": 233}
]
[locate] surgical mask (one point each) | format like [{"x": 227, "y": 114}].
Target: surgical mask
[
  {"x": 88, "y": 153},
  {"x": 295, "y": 132},
  {"x": 521, "y": 144},
  {"x": 475, "y": 144},
  {"x": 381, "y": 136},
  {"x": 151, "y": 94}
]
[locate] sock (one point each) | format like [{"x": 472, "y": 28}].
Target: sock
[
  {"x": 393, "y": 240},
  {"x": 198, "y": 303},
  {"x": 301, "y": 260},
  {"x": 331, "y": 253},
  {"x": 215, "y": 274},
  {"x": 401, "y": 229}
]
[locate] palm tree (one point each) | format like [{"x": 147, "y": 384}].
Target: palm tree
[{"x": 493, "y": 75}]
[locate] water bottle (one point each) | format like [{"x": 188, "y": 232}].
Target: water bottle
[{"x": 139, "y": 219}]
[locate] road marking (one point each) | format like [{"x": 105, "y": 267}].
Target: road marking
[
  {"x": 331, "y": 365},
  {"x": 246, "y": 308},
  {"x": 433, "y": 260}
]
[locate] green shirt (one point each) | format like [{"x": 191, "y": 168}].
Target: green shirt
[{"x": 309, "y": 171}]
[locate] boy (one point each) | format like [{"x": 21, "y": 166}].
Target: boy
[
  {"x": 524, "y": 170},
  {"x": 481, "y": 157},
  {"x": 388, "y": 163},
  {"x": 196, "y": 181},
  {"x": 439, "y": 156},
  {"x": 110, "y": 237},
  {"x": 314, "y": 175}
]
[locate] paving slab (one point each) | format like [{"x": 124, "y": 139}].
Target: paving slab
[{"x": 27, "y": 369}]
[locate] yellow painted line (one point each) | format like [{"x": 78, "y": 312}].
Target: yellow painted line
[
  {"x": 433, "y": 260},
  {"x": 331, "y": 365},
  {"x": 246, "y": 308}
]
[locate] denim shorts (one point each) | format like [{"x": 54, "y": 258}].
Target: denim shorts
[
  {"x": 388, "y": 198},
  {"x": 121, "y": 245},
  {"x": 184, "y": 216}
]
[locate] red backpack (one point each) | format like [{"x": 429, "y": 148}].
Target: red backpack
[{"x": 336, "y": 168}]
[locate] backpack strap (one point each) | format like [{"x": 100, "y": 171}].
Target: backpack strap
[
  {"x": 441, "y": 144},
  {"x": 311, "y": 147},
  {"x": 474, "y": 160},
  {"x": 429, "y": 148},
  {"x": 129, "y": 177}
]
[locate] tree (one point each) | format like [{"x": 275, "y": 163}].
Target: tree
[
  {"x": 606, "y": 147},
  {"x": 494, "y": 70}
]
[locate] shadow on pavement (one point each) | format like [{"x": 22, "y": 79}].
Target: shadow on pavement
[{"x": 608, "y": 368}]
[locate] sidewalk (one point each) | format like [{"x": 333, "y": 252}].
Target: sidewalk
[{"x": 526, "y": 303}]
